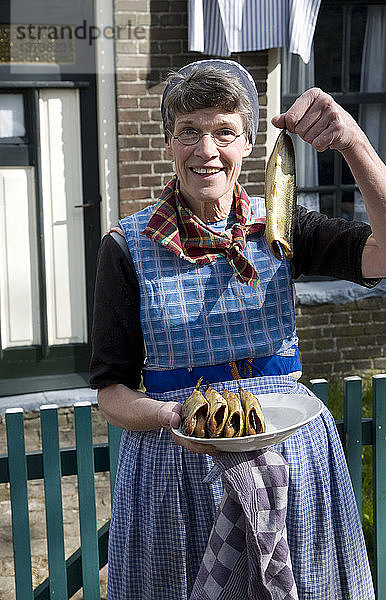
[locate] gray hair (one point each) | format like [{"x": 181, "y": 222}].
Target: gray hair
[{"x": 205, "y": 87}]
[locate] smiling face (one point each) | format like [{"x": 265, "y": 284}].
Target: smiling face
[{"x": 207, "y": 172}]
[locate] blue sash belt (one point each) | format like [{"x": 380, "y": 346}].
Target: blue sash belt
[{"x": 176, "y": 379}]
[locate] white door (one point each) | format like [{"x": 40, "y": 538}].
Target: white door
[{"x": 46, "y": 273}]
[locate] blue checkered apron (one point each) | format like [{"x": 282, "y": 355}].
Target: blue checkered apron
[
  {"x": 193, "y": 316},
  {"x": 166, "y": 498}
]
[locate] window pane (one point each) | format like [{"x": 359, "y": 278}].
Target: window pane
[
  {"x": 358, "y": 27},
  {"x": 327, "y": 204},
  {"x": 339, "y": 33},
  {"x": 12, "y": 116},
  {"x": 326, "y": 167},
  {"x": 328, "y": 48},
  {"x": 347, "y": 208},
  {"x": 347, "y": 176},
  {"x": 349, "y": 59}
]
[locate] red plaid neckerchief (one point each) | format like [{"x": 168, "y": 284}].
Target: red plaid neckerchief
[{"x": 175, "y": 227}]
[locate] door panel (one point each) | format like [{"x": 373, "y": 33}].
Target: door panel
[
  {"x": 19, "y": 293},
  {"x": 61, "y": 161}
]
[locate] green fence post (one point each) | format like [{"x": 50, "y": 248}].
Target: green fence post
[
  {"x": 53, "y": 496},
  {"x": 352, "y": 427},
  {"x": 320, "y": 389},
  {"x": 19, "y": 503},
  {"x": 379, "y": 481},
  {"x": 87, "y": 508},
  {"x": 114, "y": 434}
]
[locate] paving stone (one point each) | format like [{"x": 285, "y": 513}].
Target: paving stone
[
  {"x": 5, "y": 538},
  {"x": 39, "y": 570},
  {"x": 7, "y": 587},
  {"x": 6, "y": 567}
]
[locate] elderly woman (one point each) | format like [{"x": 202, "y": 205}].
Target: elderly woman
[{"x": 176, "y": 303}]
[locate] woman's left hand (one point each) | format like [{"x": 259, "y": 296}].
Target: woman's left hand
[
  {"x": 168, "y": 417},
  {"x": 169, "y": 414},
  {"x": 320, "y": 121}
]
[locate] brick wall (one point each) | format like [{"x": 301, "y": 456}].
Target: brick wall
[
  {"x": 345, "y": 339},
  {"x": 152, "y": 41}
]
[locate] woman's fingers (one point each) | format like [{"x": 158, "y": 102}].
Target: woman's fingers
[
  {"x": 303, "y": 108},
  {"x": 320, "y": 121},
  {"x": 169, "y": 414}
]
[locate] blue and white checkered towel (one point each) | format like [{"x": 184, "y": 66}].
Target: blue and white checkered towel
[{"x": 247, "y": 555}]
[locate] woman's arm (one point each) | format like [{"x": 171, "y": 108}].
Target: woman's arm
[
  {"x": 116, "y": 338},
  {"x": 134, "y": 410},
  {"x": 370, "y": 174},
  {"x": 323, "y": 123},
  {"x": 329, "y": 247}
]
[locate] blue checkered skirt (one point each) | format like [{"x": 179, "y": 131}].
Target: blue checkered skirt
[{"x": 166, "y": 500}]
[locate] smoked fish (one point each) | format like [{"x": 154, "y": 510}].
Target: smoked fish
[
  {"x": 194, "y": 413},
  {"x": 218, "y": 412},
  {"x": 234, "y": 426},
  {"x": 254, "y": 418},
  {"x": 280, "y": 197}
]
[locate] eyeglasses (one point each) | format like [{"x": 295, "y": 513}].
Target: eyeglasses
[{"x": 190, "y": 137}]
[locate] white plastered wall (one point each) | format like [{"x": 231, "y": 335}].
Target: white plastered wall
[
  {"x": 107, "y": 134},
  {"x": 273, "y": 96}
]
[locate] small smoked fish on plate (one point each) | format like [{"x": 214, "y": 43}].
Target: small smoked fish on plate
[
  {"x": 254, "y": 418},
  {"x": 284, "y": 414},
  {"x": 218, "y": 412},
  {"x": 234, "y": 426},
  {"x": 194, "y": 413}
]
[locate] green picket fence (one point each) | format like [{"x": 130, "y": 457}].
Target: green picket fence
[{"x": 81, "y": 570}]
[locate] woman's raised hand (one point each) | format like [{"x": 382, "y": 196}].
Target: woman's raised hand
[{"x": 320, "y": 121}]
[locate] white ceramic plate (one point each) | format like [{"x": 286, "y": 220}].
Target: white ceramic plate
[{"x": 283, "y": 413}]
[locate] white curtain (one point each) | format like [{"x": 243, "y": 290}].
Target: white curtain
[
  {"x": 372, "y": 117},
  {"x": 220, "y": 27},
  {"x": 297, "y": 77}
]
